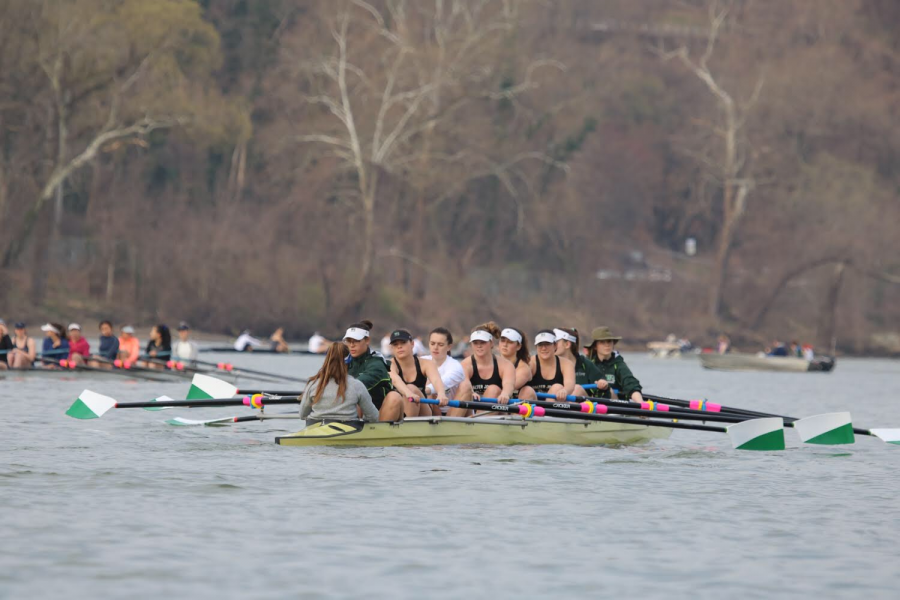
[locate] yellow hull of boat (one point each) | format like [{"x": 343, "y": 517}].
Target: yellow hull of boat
[{"x": 450, "y": 431}]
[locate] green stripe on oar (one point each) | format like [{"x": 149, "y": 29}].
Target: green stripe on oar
[
  {"x": 204, "y": 387},
  {"x": 160, "y": 399},
  {"x": 90, "y": 405},
  {"x": 757, "y": 434},
  {"x": 828, "y": 429}
]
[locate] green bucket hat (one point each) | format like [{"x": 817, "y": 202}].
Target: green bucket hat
[{"x": 601, "y": 334}]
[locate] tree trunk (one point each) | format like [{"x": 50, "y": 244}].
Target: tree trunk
[
  {"x": 733, "y": 212},
  {"x": 826, "y": 335},
  {"x": 40, "y": 263}
]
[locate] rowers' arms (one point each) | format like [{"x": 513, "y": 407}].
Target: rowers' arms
[
  {"x": 399, "y": 384},
  {"x": 452, "y": 376},
  {"x": 434, "y": 377},
  {"x": 508, "y": 375},
  {"x": 627, "y": 382},
  {"x": 363, "y": 399},
  {"x": 523, "y": 375},
  {"x": 568, "y": 371}
]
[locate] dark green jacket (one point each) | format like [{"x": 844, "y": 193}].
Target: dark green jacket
[
  {"x": 618, "y": 375},
  {"x": 586, "y": 371},
  {"x": 371, "y": 370}
]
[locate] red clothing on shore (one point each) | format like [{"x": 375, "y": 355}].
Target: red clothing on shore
[{"x": 80, "y": 347}]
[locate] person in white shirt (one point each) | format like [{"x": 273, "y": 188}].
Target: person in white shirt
[
  {"x": 246, "y": 342},
  {"x": 317, "y": 343},
  {"x": 453, "y": 376},
  {"x": 184, "y": 349},
  {"x": 419, "y": 347}
]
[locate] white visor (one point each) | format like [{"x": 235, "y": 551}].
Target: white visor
[
  {"x": 511, "y": 334},
  {"x": 128, "y": 329},
  {"x": 562, "y": 335},
  {"x": 544, "y": 337},
  {"x": 49, "y": 327},
  {"x": 480, "y": 335},
  {"x": 74, "y": 326},
  {"x": 355, "y": 333}
]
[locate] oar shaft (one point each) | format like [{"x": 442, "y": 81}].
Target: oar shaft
[
  {"x": 582, "y": 406},
  {"x": 212, "y": 402},
  {"x": 520, "y": 409}
]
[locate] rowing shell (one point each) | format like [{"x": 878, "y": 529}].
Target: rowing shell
[
  {"x": 435, "y": 431},
  {"x": 159, "y": 376}
]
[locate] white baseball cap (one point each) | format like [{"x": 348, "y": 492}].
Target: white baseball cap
[
  {"x": 511, "y": 334},
  {"x": 562, "y": 335},
  {"x": 356, "y": 333},
  {"x": 544, "y": 337},
  {"x": 49, "y": 327},
  {"x": 74, "y": 326},
  {"x": 128, "y": 329},
  {"x": 480, "y": 335}
]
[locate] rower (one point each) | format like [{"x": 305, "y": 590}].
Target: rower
[
  {"x": 333, "y": 395},
  {"x": 552, "y": 374},
  {"x": 185, "y": 349},
  {"x": 585, "y": 370},
  {"x": 129, "y": 345},
  {"x": 490, "y": 376},
  {"x": 457, "y": 385},
  {"x": 158, "y": 348},
  {"x": 79, "y": 348},
  {"x": 612, "y": 366},
  {"x": 6, "y": 346},
  {"x": 55, "y": 346},
  {"x": 370, "y": 368},
  {"x": 514, "y": 348},
  {"x": 317, "y": 343},
  {"x": 246, "y": 342},
  {"x": 109, "y": 348},
  {"x": 24, "y": 349},
  {"x": 277, "y": 341},
  {"x": 411, "y": 376}
]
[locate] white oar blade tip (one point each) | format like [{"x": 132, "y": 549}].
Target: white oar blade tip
[
  {"x": 90, "y": 405},
  {"x": 205, "y": 387},
  {"x": 160, "y": 399},
  {"x": 828, "y": 429},
  {"x": 891, "y": 436},
  {"x": 757, "y": 434},
  {"x": 182, "y": 422}
]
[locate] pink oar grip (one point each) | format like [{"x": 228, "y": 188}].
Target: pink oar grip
[
  {"x": 539, "y": 411},
  {"x": 601, "y": 409}
]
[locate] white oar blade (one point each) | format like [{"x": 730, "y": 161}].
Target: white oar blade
[
  {"x": 160, "y": 399},
  {"x": 204, "y": 387},
  {"x": 828, "y": 429},
  {"x": 891, "y": 436},
  {"x": 90, "y": 405},
  {"x": 757, "y": 434},
  {"x": 181, "y": 422}
]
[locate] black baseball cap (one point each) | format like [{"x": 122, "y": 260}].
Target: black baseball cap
[
  {"x": 183, "y": 326},
  {"x": 20, "y": 325},
  {"x": 401, "y": 335}
]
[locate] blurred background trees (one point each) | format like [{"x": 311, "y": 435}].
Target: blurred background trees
[{"x": 305, "y": 162}]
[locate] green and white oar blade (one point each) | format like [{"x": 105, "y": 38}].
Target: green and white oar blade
[
  {"x": 160, "y": 399},
  {"x": 828, "y": 429},
  {"x": 182, "y": 422},
  {"x": 204, "y": 387},
  {"x": 90, "y": 405},
  {"x": 891, "y": 436},
  {"x": 757, "y": 434}
]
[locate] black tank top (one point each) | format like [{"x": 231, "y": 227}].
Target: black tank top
[
  {"x": 479, "y": 384},
  {"x": 538, "y": 383},
  {"x": 420, "y": 381}
]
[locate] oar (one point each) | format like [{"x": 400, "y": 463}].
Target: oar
[
  {"x": 127, "y": 365},
  {"x": 827, "y": 429},
  {"x": 588, "y": 405},
  {"x": 91, "y": 405},
  {"x": 181, "y": 422},
  {"x": 66, "y": 364},
  {"x": 228, "y": 367},
  {"x": 205, "y": 387},
  {"x": 756, "y": 434}
]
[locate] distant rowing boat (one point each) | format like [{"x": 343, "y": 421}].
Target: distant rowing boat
[
  {"x": 231, "y": 350},
  {"x": 433, "y": 431},
  {"x": 752, "y": 362},
  {"x": 160, "y": 376}
]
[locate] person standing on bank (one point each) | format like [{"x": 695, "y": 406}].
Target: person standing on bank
[
  {"x": 333, "y": 395},
  {"x": 612, "y": 366}
]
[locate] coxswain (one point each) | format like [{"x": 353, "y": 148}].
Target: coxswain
[
  {"x": 585, "y": 371},
  {"x": 552, "y": 374},
  {"x": 370, "y": 368},
  {"x": 490, "y": 376},
  {"x": 514, "y": 348},
  {"x": 411, "y": 376},
  {"x": 333, "y": 395},
  {"x": 185, "y": 349},
  {"x": 79, "y": 348},
  {"x": 615, "y": 372}
]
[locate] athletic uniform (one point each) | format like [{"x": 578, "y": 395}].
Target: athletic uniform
[
  {"x": 539, "y": 384},
  {"x": 371, "y": 369},
  {"x": 587, "y": 372},
  {"x": 420, "y": 381},
  {"x": 479, "y": 385},
  {"x": 619, "y": 376}
]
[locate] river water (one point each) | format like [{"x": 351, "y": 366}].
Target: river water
[{"x": 127, "y": 506}]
